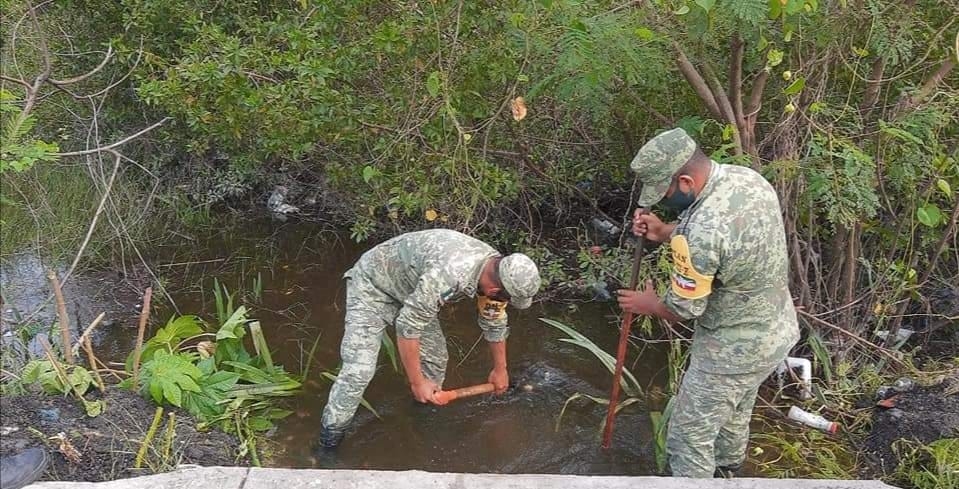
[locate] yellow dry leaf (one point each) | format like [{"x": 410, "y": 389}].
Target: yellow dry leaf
[
  {"x": 206, "y": 349},
  {"x": 431, "y": 215},
  {"x": 518, "y": 107},
  {"x": 394, "y": 215}
]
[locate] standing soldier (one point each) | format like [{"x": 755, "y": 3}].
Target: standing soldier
[
  {"x": 730, "y": 274},
  {"x": 404, "y": 282}
]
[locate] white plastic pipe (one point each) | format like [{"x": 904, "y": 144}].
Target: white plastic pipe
[
  {"x": 814, "y": 420},
  {"x": 805, "y": 367}
]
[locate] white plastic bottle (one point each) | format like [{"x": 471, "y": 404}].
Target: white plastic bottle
[{"x": 814, "y": 420}]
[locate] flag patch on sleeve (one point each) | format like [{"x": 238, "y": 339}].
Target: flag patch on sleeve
[{"x": 686, "y": 281}]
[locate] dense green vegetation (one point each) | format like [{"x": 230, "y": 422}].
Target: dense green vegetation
[{"x": 514, "y": 120}]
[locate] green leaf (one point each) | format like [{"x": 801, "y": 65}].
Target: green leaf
[
  {"x": 944, "y": 187},
  {"x": 774, "y": 57},
  {"x": 707, "y": 5},
  {"x": 259, "y": 423},
  {"x": 775, "y": 9},
  {"x": 168, "y": 375},
  {"x": 178, "y": 329},
  {"x": 233, "y": 327},
  {"x": 682, "y": 10},
  {"x": 433, "y": 84},
  {"x": 390, "y": 348},
  {"x": 929, "y": 215},
  {"x": 794, "y": 6},
  {"x": 172, "y": 393},
  {"x": 32, "y": 370},
  {"x": 156, "y": 392},
  {"x": 80, "y": 379},
  {"x": 368, "y": 173},
  {"x": 795, "y": 87},
  {"x": 644, "y": 34},
  {"x": 93, "y": 408}
]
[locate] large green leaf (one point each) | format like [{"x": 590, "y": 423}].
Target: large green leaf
[
  {"x": 178, "y": 329},
  {"x": 168, "y": 375},
  {"x": 233, "y": 327}
]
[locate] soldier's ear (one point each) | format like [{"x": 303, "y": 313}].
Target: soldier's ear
[{"x": 686, "y": 183}]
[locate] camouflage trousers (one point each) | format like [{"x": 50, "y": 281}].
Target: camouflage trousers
[
  {"x": 368, "y": 313},
  {"x": 709, "y": 426}
]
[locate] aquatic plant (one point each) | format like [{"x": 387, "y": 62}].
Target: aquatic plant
[{"x": 628, "y": 382}]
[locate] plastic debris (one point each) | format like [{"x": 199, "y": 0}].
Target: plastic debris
[{"x": 813, "y": 420}]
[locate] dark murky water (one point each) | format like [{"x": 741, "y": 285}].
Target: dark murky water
[{"x": 302, "y": 300}]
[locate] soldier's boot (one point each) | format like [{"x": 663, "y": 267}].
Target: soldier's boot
[
  {"x": 727, "y": 471},
  {"x": 23, "y": 468}
]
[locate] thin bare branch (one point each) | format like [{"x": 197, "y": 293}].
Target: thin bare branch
[
  {"x": 96, "y": 215},
  {"x": 92, "y": 72},
  {"x": 15, "y": 80},
  {"x": 119, "y": 143}
]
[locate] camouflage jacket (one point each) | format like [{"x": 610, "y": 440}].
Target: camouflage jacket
[
  {"x": 424, "y": 270},
  {"x": 730, "y": 273}
]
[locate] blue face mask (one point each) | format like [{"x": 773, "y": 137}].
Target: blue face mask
[{"x": 680, "y": 200}]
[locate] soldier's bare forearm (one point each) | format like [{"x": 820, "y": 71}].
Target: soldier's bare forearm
[
  {"x": 410, "y": 356},
  {"x": 498, "y": 352}
]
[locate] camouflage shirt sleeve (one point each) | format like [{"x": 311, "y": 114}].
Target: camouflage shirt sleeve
[
  {"x": 434, "y": 288},
  {"x": 492, "y": 319},
  {"x": 696, "y": 259}
]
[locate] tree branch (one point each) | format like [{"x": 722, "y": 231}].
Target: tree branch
[
  {"x": 92, "y": 72},
  {"x": 909, "y": 101},
  {"x": 872, "y": 89},
  {"x": 950, "y": 231},
  {"x": 724, "y": 105},
  {"x": 15, "y": 80},
  {"x": 116, "y": 144},
  {"x": 737, "y": 49},
  {"x": 696, "y": 81}
]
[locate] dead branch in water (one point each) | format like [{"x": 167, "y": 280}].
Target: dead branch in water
[
  {"x": 144, "y": 317},
  {"x": 65, "y": 339}
]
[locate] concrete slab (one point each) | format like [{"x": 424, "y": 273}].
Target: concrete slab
[
  {"x": 257, "y": 478},
  {"x": 186, "y": 478}
]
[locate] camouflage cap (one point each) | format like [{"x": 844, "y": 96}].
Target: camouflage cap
[
  {"x": 658, "y": 160},
  {"x": 520, "y": 277}
]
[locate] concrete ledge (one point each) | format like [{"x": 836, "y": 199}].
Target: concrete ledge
[{"x": 257, "y": 478}]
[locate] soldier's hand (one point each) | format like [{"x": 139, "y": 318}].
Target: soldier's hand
[
  {"x": 500, "y": 380},
  {"x": 647, "y": 224},
  {"x": 425, "y": 391},
  {"x": 638, "y": 302}
]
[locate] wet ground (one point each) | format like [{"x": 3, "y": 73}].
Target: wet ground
[{"x": 105, "y": 447}]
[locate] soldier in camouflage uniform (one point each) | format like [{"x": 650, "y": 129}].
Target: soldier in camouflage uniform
[
  {"x": 730, "y": 274},
  {"x": 403, "y": 282}
]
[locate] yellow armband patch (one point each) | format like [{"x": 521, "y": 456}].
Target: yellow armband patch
[
  {"x": 490, "y": 309},
  {"x": 686, "y": 281}
]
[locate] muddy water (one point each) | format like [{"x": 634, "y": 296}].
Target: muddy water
[{"x": 302, "y": 301}]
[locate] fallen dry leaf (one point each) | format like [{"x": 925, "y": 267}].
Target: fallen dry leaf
[
  {"x": 66, "y": 448},
  {"x": 431, "y": 215},
  {"x": 518, "y": 107},
  {"x": 206, "y": 349}
]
